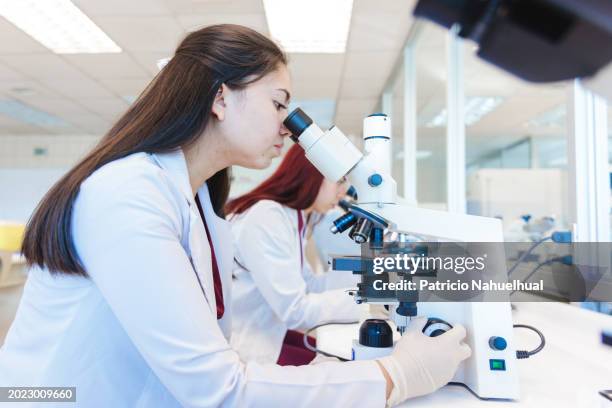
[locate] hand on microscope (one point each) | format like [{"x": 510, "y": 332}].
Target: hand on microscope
[{"x": 421, "y": 364}]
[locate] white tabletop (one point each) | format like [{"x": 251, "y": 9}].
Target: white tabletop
[{"x": 569, "y": 372}]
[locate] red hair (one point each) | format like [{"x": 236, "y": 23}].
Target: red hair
[{"x": 295, "y": 183}]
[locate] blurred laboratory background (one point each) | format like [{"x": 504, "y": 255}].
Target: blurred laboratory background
[{"x": 467, "y": 136}]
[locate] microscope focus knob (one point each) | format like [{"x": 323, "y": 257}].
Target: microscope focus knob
[
  {"x": 498, "y": 343},
  {"x": 375, "y": 180},
  {"x": 436, "y": 327}
]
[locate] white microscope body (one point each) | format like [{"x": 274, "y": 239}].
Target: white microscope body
[{"x": 489, "y": 372}]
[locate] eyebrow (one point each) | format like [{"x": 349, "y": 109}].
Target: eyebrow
[{"x": 287, "y": 94}]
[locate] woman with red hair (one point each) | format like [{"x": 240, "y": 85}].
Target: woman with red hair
[{"x": 275, "y": 290}]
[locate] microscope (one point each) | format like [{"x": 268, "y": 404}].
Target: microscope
[{"x": 377, "y": 220}]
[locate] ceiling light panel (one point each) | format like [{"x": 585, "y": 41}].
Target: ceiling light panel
[
  {"x": 315, "y": 26},
  {"x": 475, "y": 108},
  {"x": 58, "y": 25},
  {"x": 555, "y": 117}
]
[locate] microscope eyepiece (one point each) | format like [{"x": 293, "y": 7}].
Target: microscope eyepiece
[
  {"x": 297, "y": 122},
  {"x": 352, "y": 192}
]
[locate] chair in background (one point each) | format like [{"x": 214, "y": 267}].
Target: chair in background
[{"x": 12, "y": 264}]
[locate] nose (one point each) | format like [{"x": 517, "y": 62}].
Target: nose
[{"x": 284, "y": 131}]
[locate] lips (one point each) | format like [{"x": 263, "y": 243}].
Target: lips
[{"x": 277, "y": 150}]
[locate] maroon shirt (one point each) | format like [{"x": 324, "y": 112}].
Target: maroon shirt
[{"x": 215, "y": 266}]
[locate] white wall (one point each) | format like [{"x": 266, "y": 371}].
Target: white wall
[
  {"x": 61, "y": 150},
  {"x": 25, "y": 176},
  {"x": 22, "y": 189}
]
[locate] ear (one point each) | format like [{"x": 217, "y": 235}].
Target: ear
[{"x": 219, "y": 104}]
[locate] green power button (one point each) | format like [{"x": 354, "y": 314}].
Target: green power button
[{"x": 497, "y": 365}]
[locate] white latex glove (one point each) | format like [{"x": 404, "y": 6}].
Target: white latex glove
[{"x": 420, "y": 364}]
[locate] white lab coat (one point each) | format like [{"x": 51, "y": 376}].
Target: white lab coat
[
  {"x": 273, "y": 289},
  {"x": 140, "y": 332}
]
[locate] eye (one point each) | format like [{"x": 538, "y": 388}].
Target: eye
[{"x": 279, "y": 105}]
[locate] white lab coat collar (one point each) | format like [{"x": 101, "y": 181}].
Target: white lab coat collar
[{"x": 175, "y": 165}]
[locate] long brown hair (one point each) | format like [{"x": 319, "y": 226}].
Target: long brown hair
[
  {"x": 172, "y": 112},
  {"x": 295, "y": 183}
]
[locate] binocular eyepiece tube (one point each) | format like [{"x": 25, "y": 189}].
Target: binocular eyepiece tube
[{"x": 331, "y": 152}]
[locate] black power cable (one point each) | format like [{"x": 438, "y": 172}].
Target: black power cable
[
  {"x": 566, "y": 260},
  {"x": 521, "y": 354},
  {"x": 559, "y": 237},
  {"x": 527, "y": 253},
  {"x": 316, "y": 350}
]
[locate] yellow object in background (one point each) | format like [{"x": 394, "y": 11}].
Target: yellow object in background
[{"x": 11, "y": 236}]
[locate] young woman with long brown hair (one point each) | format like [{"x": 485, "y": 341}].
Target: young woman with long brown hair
[{"x": 131, "y": 258}]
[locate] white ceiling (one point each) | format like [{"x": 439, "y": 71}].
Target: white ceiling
[{"x": 90, "y": 91}]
